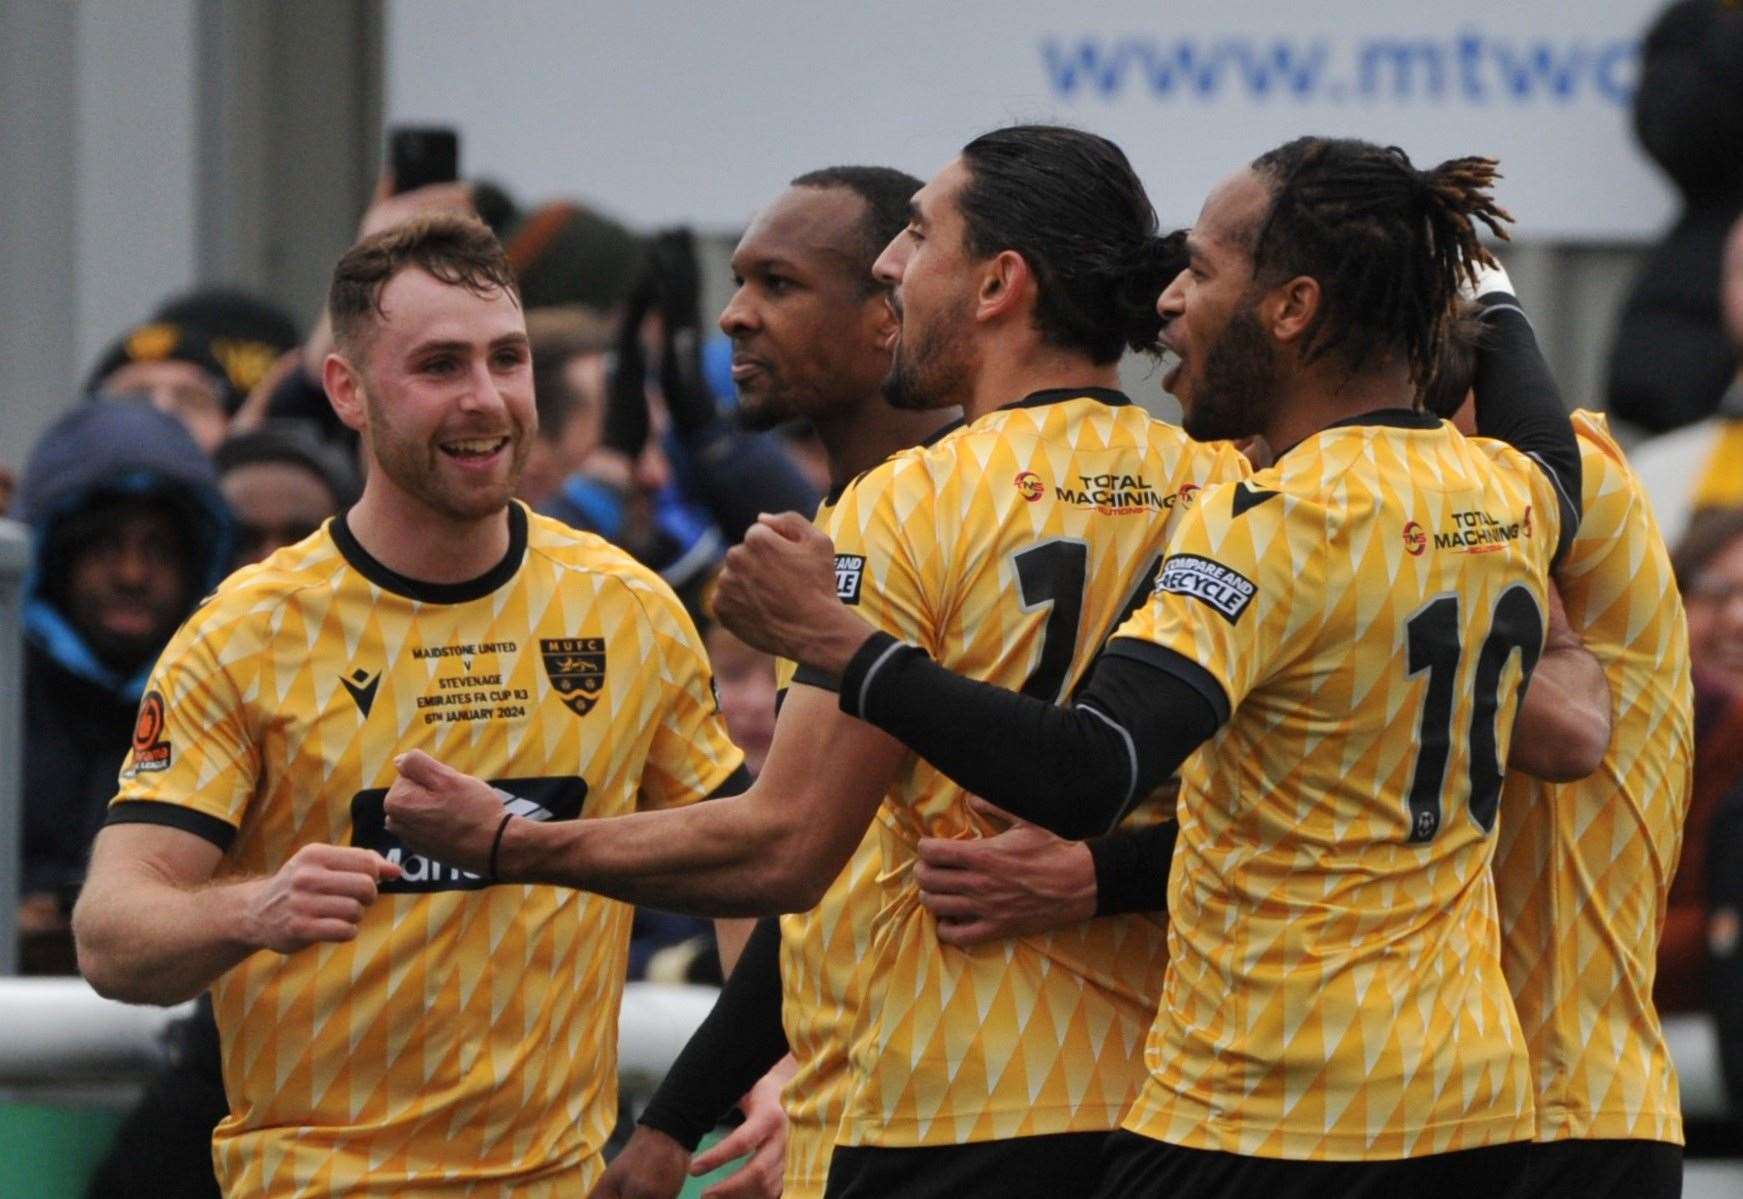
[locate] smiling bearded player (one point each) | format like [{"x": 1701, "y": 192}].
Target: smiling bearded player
[{"x": 392, "y": 1024}]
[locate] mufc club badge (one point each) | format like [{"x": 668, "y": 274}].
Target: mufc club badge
[{"x": 576, "y": 668}]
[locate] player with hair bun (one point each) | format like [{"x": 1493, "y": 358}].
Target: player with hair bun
[{"x": 1347, "y": 634}]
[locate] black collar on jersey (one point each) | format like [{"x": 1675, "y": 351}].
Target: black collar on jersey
[
  {"x": 389, "y": 579},
  {"x": 833, "y": 496},
  {"x": 1395, "y": 418},
  {"x": 1058, "y": 395}
]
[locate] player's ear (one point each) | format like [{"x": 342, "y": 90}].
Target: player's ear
[
  {"x": 1288, "y": 311},
  {"x": 1005, "y": 282},
  {"x": 344, "y": 386}
]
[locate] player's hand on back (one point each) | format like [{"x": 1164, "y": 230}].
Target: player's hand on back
[
  {"x": 320, "y": 894},
  {"x": 776, "y": 593},
  {"x": 1022, "y": 880},
  {"x": 763, "y": 1136},
  {"x": 442, "y": 813},
  {"x": 651, "y": 1166}
]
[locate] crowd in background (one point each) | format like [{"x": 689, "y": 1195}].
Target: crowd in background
[{"x": 202, "y": 442}]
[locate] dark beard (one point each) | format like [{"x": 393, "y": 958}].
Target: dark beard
[
  {"x": 936, "y": 374},
  {"x": 1239, "y": 382}
]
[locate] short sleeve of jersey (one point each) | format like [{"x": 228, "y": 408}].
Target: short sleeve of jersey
[
  {"x": 1608, "y": 498},
  {"x": 192, "y": 744},
  {"x": 1227, "y": 601},
  {"x": 886, "y": 550},
  {"x": 690, "y": 754}
]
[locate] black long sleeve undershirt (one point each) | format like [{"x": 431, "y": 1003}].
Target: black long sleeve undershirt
[
  {"x": 1131, "y": 869},
  {"x": 740, "y": 1041},
  {"x": 1075, "y": 770},
  {"x": 1518, "y": 402}
]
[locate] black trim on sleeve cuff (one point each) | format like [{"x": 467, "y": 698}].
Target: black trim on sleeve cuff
[
  {"x": 1131, "y": 869},
  {"x": 877, "y": 648},
  {"x": 169, "y": 815},
  {"x": 737, "y": 783},
  {"x": 1178, "y": 665},
  {"x": 815, "y": 678}
]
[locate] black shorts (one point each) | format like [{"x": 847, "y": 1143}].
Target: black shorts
[
  {"x": 1048, "y": 1167},
  {"x": 1605, "y": 1170},
  {"x": 1141, "y": 1168}
]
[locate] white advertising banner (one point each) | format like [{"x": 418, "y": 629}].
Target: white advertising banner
[{"x": 664, "y": 112}]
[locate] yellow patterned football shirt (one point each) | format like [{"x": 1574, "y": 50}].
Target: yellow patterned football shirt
[
  {"x": 1009, "y": 550},
  {"x": 1583, "y": 870},
  {"x": 465, "y": 1043},
  {"x": 821, "y": 952},
  {"x": 1359, "y": 613}
]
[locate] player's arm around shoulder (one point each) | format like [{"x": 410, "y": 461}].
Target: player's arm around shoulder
[{"x": 1563, "y": 727}]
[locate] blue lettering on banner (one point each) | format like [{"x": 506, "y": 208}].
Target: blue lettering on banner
[{"x": 1470, "y": 67}]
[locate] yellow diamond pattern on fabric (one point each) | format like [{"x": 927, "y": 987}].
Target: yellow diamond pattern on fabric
[
  {"x": 821, "y": 952},
  {"x": 1037, "y": 1035},
  {"x": 1334, "y": 990},
  {"x": 1583, "y": 870},
  {"x": 466, "y": 1042}
]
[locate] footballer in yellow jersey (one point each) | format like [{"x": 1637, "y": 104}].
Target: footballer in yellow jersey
[
  {"x": 1014, "y": 545},
  {"x": 1010, "y": 550},
  {"x": 1582, "y": 870},
  {"x": 1343, "y": 639},
  {"x": 1333, "y": 917},
  {"x": 465, "y": 1041},
  {"x": 395, "y": 1023}
]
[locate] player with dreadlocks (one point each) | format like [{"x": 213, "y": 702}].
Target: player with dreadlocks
[{"x": 1348, "y": 635}]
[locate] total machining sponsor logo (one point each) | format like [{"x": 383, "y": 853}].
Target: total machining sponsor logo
[
  {"x": 1479, "y": 532},
  {"x": 1116, "y": 494}
]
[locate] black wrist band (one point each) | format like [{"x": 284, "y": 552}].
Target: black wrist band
[{"x": 496, "y": 844}]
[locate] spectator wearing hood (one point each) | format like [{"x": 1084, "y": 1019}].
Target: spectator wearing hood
[{"x": 129, "y": 531}]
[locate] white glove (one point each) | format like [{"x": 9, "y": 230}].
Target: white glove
[{"x": 1490, "y": 279}]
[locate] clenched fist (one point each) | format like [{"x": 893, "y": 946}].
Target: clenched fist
[
  {"x": 318, "y": 895},
  {"x": 777, "y": 593}
]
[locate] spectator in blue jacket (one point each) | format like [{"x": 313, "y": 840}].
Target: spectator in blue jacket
[{"x": 129, "y": 532}]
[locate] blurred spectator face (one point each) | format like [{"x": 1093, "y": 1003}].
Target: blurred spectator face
[
  {"x": 745, "y": 678},
  {"x": 792, "y": 320},
  {"x": 275, "y": 504},
  {"x": 180, "y": 389},
  {"x": 127, "y": 582},
  {"x": 1731, "y": 285},
  {"x": 565, "y": 443},
  {"x": 448, "y": 391},
  {"x": 1713, "y": 598}
]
